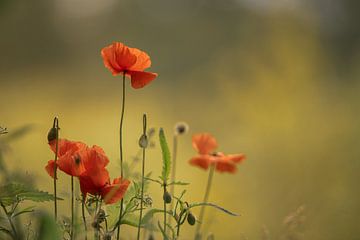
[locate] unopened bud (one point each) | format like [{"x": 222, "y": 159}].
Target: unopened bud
[
  {"x": 167, "y": 197},
  {"x": 191, "y": 219},
  {"x": 52, "y": 134},
  {"x": 151, "y": 237},
  {"x": 143, "y": 141},
  {"x": 181, "y": 128}
]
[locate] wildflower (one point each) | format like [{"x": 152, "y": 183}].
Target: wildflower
[
  {"x": 121, "y": 59},
  {"x": 205, "y": 144},
  {"x": 181, "y": 128}
]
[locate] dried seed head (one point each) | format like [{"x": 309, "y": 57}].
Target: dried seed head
[
  {"x": 167, "y": 197},
  {"x": 181, "y": 128},
  {"x": 100, "y": 216},
  {"x": 147, "y": 200},
  {"x": 52, "y": 134},
  {"x": 143, "y": 141},
  {"x": 191, "y": 219},
  {"x": 3, "y": 130}
]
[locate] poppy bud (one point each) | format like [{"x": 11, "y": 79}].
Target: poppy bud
[
  {"x": 167, "y": 197},
  {"x": 151, "y": 237},
  {"x": 143, "y": 141},
  {"x": 191, "y": 219},
  {"x": 181, "y": 128},
  {"x": 52, "y": 134}
]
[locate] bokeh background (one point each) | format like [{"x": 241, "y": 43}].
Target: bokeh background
[{"x": 277, "y": 80}]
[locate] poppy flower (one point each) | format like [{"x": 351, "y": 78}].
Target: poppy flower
[
  {"x": 121, "y": 59},
  {"x": 68, "y": 160},
  {"x": 114, "y": 192},
  {"x": 205, "y": 144}
]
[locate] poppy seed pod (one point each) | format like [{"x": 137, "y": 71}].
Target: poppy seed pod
[
  {"x": 167, "y": 197},
  {"x": 52, "y": 134},
  {"x": 143, "y": 141},
  {"x": 191, "y": 219},
  {"x": 181, "y": 128}
]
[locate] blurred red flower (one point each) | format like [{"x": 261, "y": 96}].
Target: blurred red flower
[
  {"x": 205, "y": 144},
  {"x": 121, "y": 59}
]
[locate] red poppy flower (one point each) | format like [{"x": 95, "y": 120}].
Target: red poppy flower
[
  {"x": 205, "y": 144},
  {"x": 132, "y": 62},
  {"x": 68, "y": 157},
  {"x": 114, "y": 192}
]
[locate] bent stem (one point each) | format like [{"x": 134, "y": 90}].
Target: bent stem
[
  {"x": 83, "y": 214},
  {"x": 142, "y": 176},
  {"x": 121, "y": 152},
  {"x": 56, "y": 126},
  {"x": 206, "y": 197}
]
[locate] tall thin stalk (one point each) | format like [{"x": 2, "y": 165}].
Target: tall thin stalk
[
  {"x": 56, "y": 127},
  {"x": 121, "y": 153},
  {"x": 173, "y": 173},
  {"x": 206, "y": 198},
  {"x": 143, "y": 144},
  {"x": 164, "y": 211},
  {"x": 72, "y": 236},
  {"x": 83, "y": 214}
]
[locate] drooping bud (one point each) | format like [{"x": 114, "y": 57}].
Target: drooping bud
[
  {"x": 143, "y": 141},
  {"x": 52, "y": 134},
  {"x": 167, "y": 197},
  {"x": 181, "y": 128},
  {"x": 191, "y": 219}
]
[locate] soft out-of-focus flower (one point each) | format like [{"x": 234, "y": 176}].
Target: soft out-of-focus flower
[
  {"x": 121, "y": 59},
  {"x": 205, "y": 144}
]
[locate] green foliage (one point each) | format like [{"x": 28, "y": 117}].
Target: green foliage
[
  {"x": 48, "y": 229},
  {"x": 165, "y": 155},
  {"x": 212, "y": 205},
  {"x": 15, "y": 192}
]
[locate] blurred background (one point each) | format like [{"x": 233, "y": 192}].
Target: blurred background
[{"x": 276, "y": 80}]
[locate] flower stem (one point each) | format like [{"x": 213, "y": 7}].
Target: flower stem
[
  {"x": 121, "y": 152},
  {"x": 14, "y": 232},
  {"x": 72, "y": 236},
  {"x": 83, "y": 214},
  {"x": 206, "y": 197},
  {"x": 56, "y": 126},
  {"x": 164, "y": 211},
  {"x": 142, "y": 176},
  {"x": 172, "y": 187}
]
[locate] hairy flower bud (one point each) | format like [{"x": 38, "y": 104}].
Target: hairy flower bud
[
  {"x": 52, "y": 134},
  {"x": 143, "y": 141},
  {"x": 191, "y": 219},
  {"x": 167, "y": 197}
]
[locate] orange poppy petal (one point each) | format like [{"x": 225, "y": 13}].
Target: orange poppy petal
[
  {"x": 94, "y": 182},
  {"x": 201, "y": 161},
  {"x": 204, "y": 143},
  {"x": 140, "y": 79},
  {"x": 71, "y": 164},
  {"x": 142, "y": 60},
  {"x": 236, "y": 158},
  {"x": 50, "y": 168},
  {"x": 115, "y": 192},
  {"x": 226, "y": 166},
  {"x": 118, "y": 57}
]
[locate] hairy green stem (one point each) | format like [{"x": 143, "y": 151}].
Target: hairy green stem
[
  {"x": 206, "y": 197},
  {"x": 164, "y": 210},
  {"x": 142, "y": 176},
  {"x": 173, "y": 173},
  {"x": 83, "y": 214},
  {"x": 56, "y": 126},
  {"x": 14, "y": 232},
  {"x": 121, "y": 152},
  {"x": 72, "y": 235}
]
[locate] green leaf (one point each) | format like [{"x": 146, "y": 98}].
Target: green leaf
[
  {"x": 25, "y": 210},
  {"x": 14, "y": 192},
  {"x": 165, "y": 155},
  {"x": 150, "y": 214},
  {"x": 48, "y": 229},
  {"x": 178, "y": 183},
  {"x": 212, "y": 205}
]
